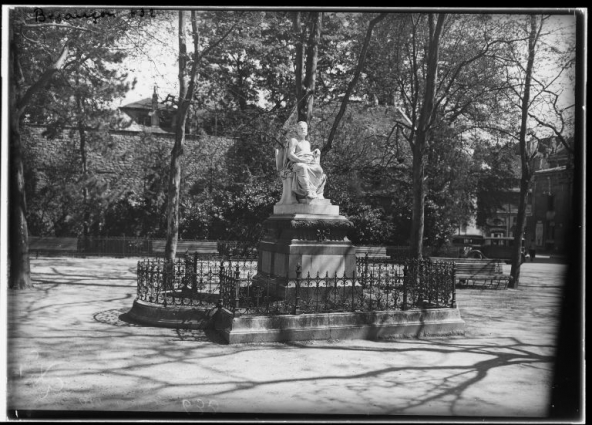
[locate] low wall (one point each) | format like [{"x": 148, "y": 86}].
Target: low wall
[
  {"x": 358, "y": 325},
  {"x": 345, "y": 325}
]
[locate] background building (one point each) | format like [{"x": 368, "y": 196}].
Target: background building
[
  {"x": 552, "y": 200},
  {"x": 502, "y": 223},
  {"x": 151, "y": 115}
]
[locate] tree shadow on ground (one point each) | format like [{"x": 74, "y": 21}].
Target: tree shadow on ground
[
  {"x": 138, "y": 364},
  {"x": 214, "y": 372},
  {"x": 451, "y": 387}
]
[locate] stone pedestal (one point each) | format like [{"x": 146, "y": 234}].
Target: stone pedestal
[{"x": 311, "y": 234}]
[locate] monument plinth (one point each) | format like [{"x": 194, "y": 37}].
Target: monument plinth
[{"x": 312, "y": 235}]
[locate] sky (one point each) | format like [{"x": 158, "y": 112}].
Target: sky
[{"x": 156, "y": 65}]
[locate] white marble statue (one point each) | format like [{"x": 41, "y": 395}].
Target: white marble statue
[{"x": 302, "y": 176}]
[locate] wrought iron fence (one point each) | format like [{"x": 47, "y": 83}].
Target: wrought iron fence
[
  {"x": 193, "y": 280},
  {"x": 376, "y": 285},
  {"x": 373, "y": 287}
]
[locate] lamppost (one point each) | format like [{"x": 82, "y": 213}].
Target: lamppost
[{"x": 532, "y": 152}]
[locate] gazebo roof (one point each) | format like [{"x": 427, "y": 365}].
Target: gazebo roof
[{"x": 144, "y": 104}]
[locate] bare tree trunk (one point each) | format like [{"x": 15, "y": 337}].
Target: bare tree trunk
[
  {"x": 525, "y": 181},
  {"x": 242, "y": 98},
  {"x": 418, "y": 217},
  {"x": 185, "y": 95},
  {"x": 186, "y": 91},
  {"x": 82, "y": 134},
  {"x": 525, "y": 184},
  {"x": 305, "y": 84},
  {"x": 312, "y": 58},
  {"x": 18, "y": 243},
  {"x": 175, "y": 175},
  {"x": 86, "y": 214},
  {"x": 18, "y": 238},
  {"x": 299, "y": 66},
  {"x": 419, "y": 146},
  {"x": 174, "y": 192}
]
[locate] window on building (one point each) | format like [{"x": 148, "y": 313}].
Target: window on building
[{"x": 550, "y": 203}]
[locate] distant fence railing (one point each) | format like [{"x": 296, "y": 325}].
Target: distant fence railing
[
  {"x": 123, "y": 246},
  {"x": 427, "y": 251},
  {"x": 126, "y": 246},
  {"x": 228, "y": 283},
  {"x": 115, "y": 245}
]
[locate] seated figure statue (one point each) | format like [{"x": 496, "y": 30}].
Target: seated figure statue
[{"x": 300, "y": 169}]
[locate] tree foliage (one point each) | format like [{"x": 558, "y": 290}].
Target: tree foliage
[
  {"x": 361, "y": 70},
  {"x": 44, "y": 44}
]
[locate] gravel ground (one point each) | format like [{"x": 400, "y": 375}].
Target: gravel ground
[{"x": 70, "y": 351}]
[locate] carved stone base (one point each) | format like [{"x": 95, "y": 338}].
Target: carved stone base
[
  {"x": 317, "y": 242},
  {"x": 346, "y": 325}
]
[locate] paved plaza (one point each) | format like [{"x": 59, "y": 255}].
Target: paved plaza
[{"x": 69, "y": 349}]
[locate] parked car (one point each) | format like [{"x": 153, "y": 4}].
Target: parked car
[{"x": 500, "y": 248}]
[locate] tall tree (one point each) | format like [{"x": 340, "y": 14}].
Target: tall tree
[
  {"x": 187, "y": 86},
  {"x": 526, "y": 154},
  {"x": 42, "y": 44},
  {"x": 418, "y": 146},
  {"x": 186, "y": 89},
  {"x": 440, "y": 73},
  {"x": 533, "y": 62}
]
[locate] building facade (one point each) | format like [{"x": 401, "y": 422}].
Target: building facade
[
  {"x": 552, "y": 200},
  {"x": 548, "y": 209},
  {"x": 502, "y": 223}
]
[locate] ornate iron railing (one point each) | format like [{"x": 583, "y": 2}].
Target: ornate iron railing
[
  {"x": 191, "y": 281},
  {"x": 373, "y": 287},
  {"x": 376, "y": 285}
]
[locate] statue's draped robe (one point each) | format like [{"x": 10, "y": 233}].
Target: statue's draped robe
[{"x": 308, "y": 176}]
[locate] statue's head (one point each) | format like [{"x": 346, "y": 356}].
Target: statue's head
[{"x": 302, "y": 128}]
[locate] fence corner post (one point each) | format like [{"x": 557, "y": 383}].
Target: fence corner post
[
  {"x": 237, "y": 289},
  {"x": 353, "y": 291},
  {"x": 297, "y": 290},
  {"x": 405, "y": 281},
  {"x": 221, "y": 289},
  {"x": 453, "y": 302}
]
